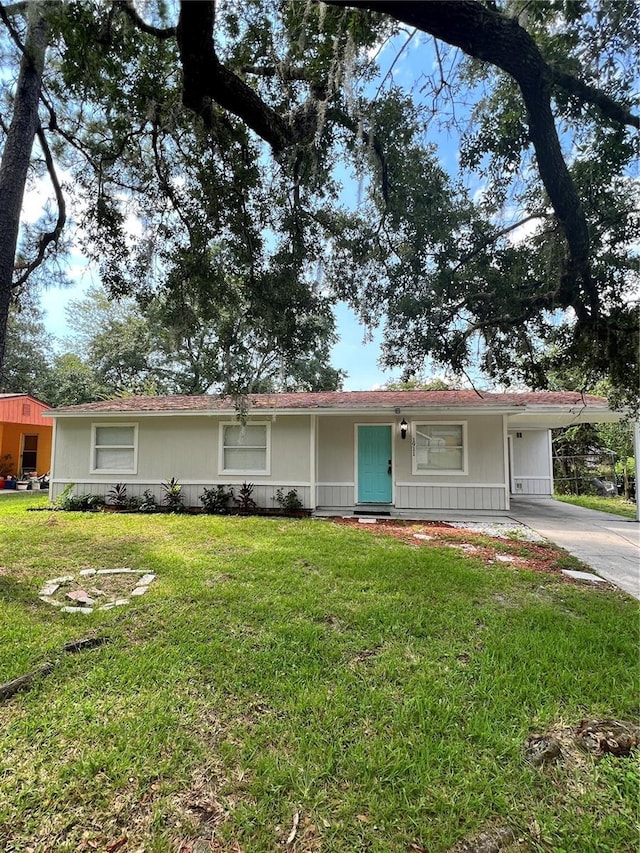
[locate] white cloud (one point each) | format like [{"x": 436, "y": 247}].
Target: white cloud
[
  {"x": 523, "y": 232},
  {"x": 37, "y": 195}
]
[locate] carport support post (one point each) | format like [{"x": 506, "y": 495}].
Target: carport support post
[{"x": 636, "y": 456}]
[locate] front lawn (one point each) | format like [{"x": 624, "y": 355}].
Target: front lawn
[
  {"x": 614, "y": 505},
  {"x": 304, "y": 686}
]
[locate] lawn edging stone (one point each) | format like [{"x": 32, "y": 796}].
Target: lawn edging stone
[{"x": 84, "y": 601}]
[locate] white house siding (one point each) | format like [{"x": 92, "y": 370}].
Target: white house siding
[
  {"x": 479, "y": 498},
  {"x": 71, "y": 451},
  {"x": 483, "y": 487},
  {"x": 335, "y": 436},
  {"x": 531, "y": 473},
  {"x": 337, "y": 494},
  {"x": 185, "y": 447}
]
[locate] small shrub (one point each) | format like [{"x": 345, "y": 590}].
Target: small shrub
[
  {"x": 244, "y": 499},
  {"x": 68, "y": 502},
  {"x": 564, "y": 487},
  {"x": 117, "y": 496},
  {"x": 290, "y": 502},
  {"x": 173, "y": 498},
  {"x": 134, "y": 502},
  {"x": 64, "y": 495},
  {"x": 216, "y": 499},
  {"x": 91, "y": 502},
  {"x": 588, "y": 488},
  {"x": 148, "y": 503}
]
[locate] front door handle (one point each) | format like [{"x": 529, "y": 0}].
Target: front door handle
[{"x": 389, "y": 468}]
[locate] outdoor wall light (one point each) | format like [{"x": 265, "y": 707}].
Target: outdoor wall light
[{"x": 404, "y": 426}]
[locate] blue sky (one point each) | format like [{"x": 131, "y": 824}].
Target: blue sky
[{"x": 357, "y": 356}]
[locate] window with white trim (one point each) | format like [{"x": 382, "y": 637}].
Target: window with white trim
[
  {"x": 245, "y": 448},
  {"x": 440, "y": 448},
  {"x": 114, "y": 449}
]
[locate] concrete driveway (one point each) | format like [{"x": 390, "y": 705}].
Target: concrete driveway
[{"x": 609, "y": 544}]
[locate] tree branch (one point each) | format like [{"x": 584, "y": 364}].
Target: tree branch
[
  {"x": 486, "y": 34},
  {"x": 130, "y": 10},
  {"x": 15, "y": 8},
  {"x": 5, "y": 11},
  {"x": 395, "y": 60},
  {"x": 590, "y": 95},
  {"x": 50, "y": 236},
  {"x": 68, "y": 137},
  {"x": 207, "y": 80},
  {"x": 495, "y": 236},
  {"x": 163, "y": 178},
  {"x": 284, "y": 72}
]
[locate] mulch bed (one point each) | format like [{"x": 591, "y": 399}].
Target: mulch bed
[{"x": 520, "y": 554}]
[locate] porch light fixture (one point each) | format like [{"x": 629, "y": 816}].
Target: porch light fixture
[{"x": 403, "y": 428}]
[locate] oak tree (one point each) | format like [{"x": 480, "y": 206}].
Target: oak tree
[{"x": 231, "y": 125}]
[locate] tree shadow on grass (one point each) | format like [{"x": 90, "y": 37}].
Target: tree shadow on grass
[{"x": 16, "y": 592}]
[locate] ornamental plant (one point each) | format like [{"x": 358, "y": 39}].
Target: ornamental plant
[
  {"x": 290, "y": 502},
  {"x": 173, "y": 498},
  {"x": 216, "y": 499}
]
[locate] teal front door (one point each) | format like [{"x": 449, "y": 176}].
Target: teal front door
[{"x": 374, "y": 464}]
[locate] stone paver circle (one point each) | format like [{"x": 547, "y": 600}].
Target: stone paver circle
[{"x": 85, "y": 601}]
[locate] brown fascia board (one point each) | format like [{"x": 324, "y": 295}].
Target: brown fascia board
[{"x": 377, "y": 411}]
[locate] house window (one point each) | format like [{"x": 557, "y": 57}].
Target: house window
[
  {"x": 244, "y": 448},
  {"x": 114, "y": 449},
  {"x": 440, "y": 448}
]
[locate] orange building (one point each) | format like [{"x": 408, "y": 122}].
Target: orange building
[{"x": 25, "y": 436}]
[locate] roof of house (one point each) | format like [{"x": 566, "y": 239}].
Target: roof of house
[
  {"x": 6, "y": 394},
  {"x": 345, "y": 401},
  {"x": 22, "y": 409}
]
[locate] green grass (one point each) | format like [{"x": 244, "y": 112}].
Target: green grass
[
  {"x": 614, "y": 505},
  {"x": 381, "y": 691}
]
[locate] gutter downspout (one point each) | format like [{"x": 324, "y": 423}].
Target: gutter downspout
[
  {"x": 636, "y": 456},
  {"x": 505, "y": 462},
  {"x": 313, "y": 462},
  {"x": 53, "y": 458}
]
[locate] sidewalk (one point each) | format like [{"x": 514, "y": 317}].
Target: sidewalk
[{"x": 609, "y": 544}]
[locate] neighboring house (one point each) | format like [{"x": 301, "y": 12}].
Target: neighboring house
[
  {"x": 393, "y": 450},
  {"x": 24, "y": 435}
]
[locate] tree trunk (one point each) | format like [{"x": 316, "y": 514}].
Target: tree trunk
[{"x": 17, "y": 154}]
